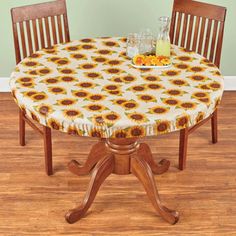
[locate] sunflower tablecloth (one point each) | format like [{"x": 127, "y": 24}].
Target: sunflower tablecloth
[{"x": 89, "y": 88}]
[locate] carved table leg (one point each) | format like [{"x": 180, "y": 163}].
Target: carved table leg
[
  {"x": 145, "y": 152},
  {"x": 97, "y": 152},
  {"x": 101, "y": 171},
  {"x": 122, "y": 157},
  {"x": 143, "y": 172}
]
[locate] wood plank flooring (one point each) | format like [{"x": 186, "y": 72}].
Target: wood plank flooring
[{"x": 33, "y": 204}]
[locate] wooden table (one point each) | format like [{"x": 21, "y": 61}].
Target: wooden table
[{"x": 89, "y": 88}]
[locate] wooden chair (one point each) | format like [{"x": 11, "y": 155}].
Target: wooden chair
[
  {"x": 198, "y": 27},
  {"x": 32, "y": 31}
]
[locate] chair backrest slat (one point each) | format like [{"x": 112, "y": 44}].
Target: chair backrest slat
[
  {"x": 199, "y": 27},
  {"x": 39, "y": 25}
]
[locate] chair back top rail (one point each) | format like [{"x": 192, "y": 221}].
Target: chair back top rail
[
  {"x": 199, "y": 27},
  {"x": 39, "y": 26}
]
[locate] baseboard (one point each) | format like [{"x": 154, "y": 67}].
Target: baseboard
[{"x": 230, "y": 84}]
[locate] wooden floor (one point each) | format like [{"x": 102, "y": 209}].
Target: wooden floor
[{"x": 33, "y": 204}]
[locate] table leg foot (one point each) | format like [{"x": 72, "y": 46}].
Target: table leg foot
[
  {"x": 143, "y": 172},
  {"x": 101, "y": 171},
  {"x": 97, "y": 152},
  {"x": 144, "y": 151}
]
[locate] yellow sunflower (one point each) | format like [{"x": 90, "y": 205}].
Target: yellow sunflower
[
  {"x": 198, "y": 78},
  {"x": 24, "y": 79},
  {"x": 87, "y": 47},
  {"x": 171, "y": 101},
  {"x": 66, "y": 71},
  {"x": 179, "y": 82},
  {"x": 67, "y": 78},
  {"x": 30, "y": 63},
  {"x": 215, "y": 86},
  {"x": 110, "y": 44},
  {"x": 146, "y": 98},
  {"x": 216, "y": 73},
  {"x": 137, "y": 117},
  {"x": 111, "y": 117},
  {"x": 30, "y": 93},
  {"x": 130, "y": 105},
  {"x": 86, "y": 85},
  {"x": 181, "y": 66},
  {"x": 138, "y": 88},
  {"x": 128, "y": 78},
  {"x": 66, "y": 102},
  {"x": 87, "y": 66},
  {"x": 151, "y": 78},
  {"x": 182, "y": 122},
  {"x": 136, "y": 131},
  {"x": 72, "y": 48},
  {"x": 87, "y": 40},
  {"x": 62, "y": 61},
  {"x": 54, "y": 124},
  {"x": 44, "y": 71},
  {"x": 119, "y": 101},
  {"x": 115, "y": 92},
  {"x": 95, "y": 107},
  {"x": 78, "y": 56},
  {"x": 154, "y": 86},
  {"x": 44, "y": 109},
  {"x": 72, "y": 114},
  {"x": 162, "y": 126},
  {"x": 200, "y": 117},
  {"x": 99, "y": 59},
  {"x": 96, "y": 97},
  {"x": 73, "y": 130},
  {"x": 184, "y": 58},
  {"x": 80, "y": 93},
  {"x": 98, "y": 120},
  {"x": 114, "y": 62},
  {"x": 111, "y": 87},
  {"x": 27, "y": 85},
  {"x": 93, "y": 75},
  {"x": 196, "y": 69},
  {"x": 34, "y": 116},
  {"x": 104, "y": 52},
  {"x": 171, "y": 73},
  {"x": 53, "y": 59},
  {"x": 39, "y": 97},
  {"x": 174, "y": 92},
  {"x": 96, "y": 133},
  {"x": 120, "y": 134},
  {"x": 116, "y": 79},
  {"x": 203, "y": 87},
  {"x": 50, "y": 50},
  {"x": 32, "y": 72},
  {"x": 51, "y": 81},
  {"x": 205, "y": 100},
  {"x": 35, "y": 55},
  {"x": 200, "y": 94},
  {"x": 159, "y": 110},
  {"x": 57, "y": 90},
  {"x": 188, "y": 105},
  {"x": 113, "y": 71}
]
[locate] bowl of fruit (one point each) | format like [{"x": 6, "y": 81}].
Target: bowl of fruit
[{"x": 151, "y": 61}]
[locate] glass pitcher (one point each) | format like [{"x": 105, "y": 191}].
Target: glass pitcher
[{"x": 163, "y": 39}]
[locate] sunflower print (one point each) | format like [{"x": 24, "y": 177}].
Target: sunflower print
[
  {"x": 162, "y": 126},
  {"x": 66, "y": 102},
  {"x": 57, "y": 90},
  {"x": 72, "y": 114},
  {"x": 78, "y": 56},
  {"x": 137, "y": 117},
  {"x": 171, "y": 73},
  {"x": 93, "y": 75},
  {"x": 66, "y": 71},
  {"x": 171, "y": 101},
  {"x": 94, "y": 107},
  {"x": 146, "y": 98},
  {"x": 81, "y": 94},
  {"x": 136, "y": 131},
  {"x": 160, "y": 110},
  {"x": 129, "y": 105},
  {"x": 88, "y": 87}
]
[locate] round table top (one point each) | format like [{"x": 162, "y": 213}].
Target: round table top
[{"x": 89, "y": 88}]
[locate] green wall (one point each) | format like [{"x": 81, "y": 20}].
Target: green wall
[{"x": 91, "y": 18}]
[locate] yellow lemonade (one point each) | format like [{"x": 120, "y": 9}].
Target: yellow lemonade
[{"x": 163, "y": 48}]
